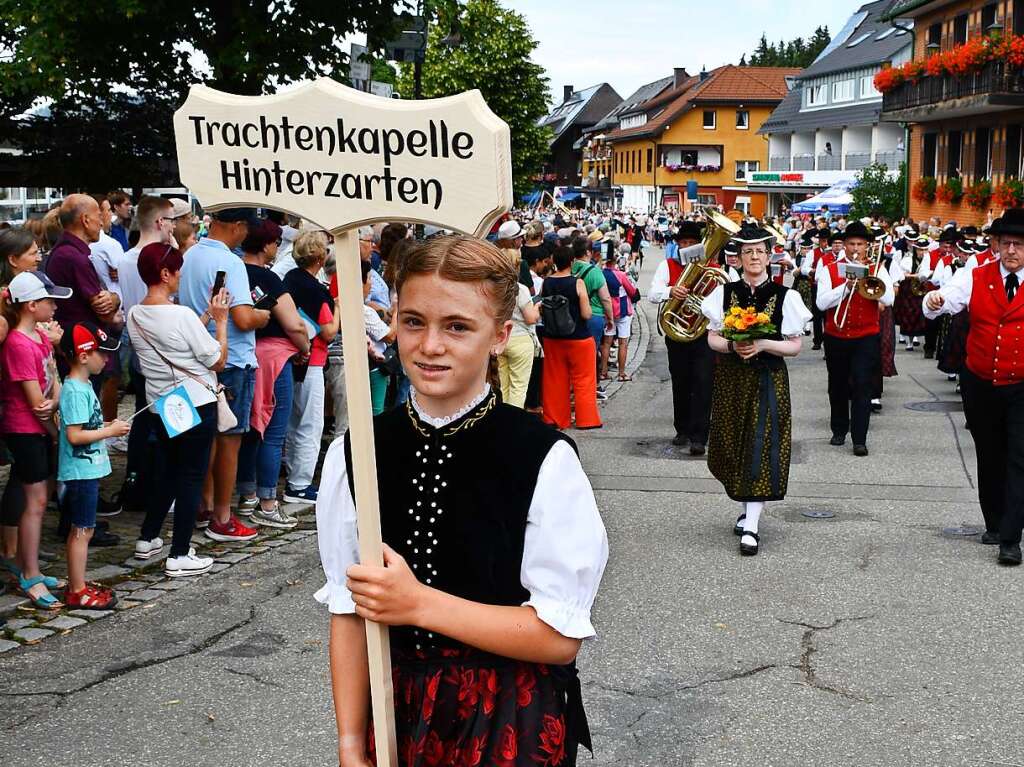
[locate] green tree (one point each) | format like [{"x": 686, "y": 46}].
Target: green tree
[
  {"x": 877, "y": 191},
  {"x": 494, "y": 57},
  {"x": 794, "y": 53},
  {"x": 76, "y": 57}
]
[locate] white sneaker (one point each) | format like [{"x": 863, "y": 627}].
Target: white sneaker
[
  {"x": 190, "y": 564},
  {"x": 147, "y": 549}
]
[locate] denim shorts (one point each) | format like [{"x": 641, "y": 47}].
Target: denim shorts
[
  {"x": 239, "y": 388},
  {"x": 80, "y": 499}
]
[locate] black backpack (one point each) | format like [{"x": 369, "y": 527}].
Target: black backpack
[{"x": 558, "y": 320}]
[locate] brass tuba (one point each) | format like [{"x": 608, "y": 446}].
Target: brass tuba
[{"x": 683, "y": 320}]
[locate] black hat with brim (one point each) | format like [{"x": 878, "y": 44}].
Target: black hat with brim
[
  {"x": 750, "y": 233},
  {"x": 858, "y": 230},
  {"x": 1011, "y": 222},
  {"x": 950, "y": 235},
  {"x": 732, "y": 248},
  {"x": 688, "y": 230}
]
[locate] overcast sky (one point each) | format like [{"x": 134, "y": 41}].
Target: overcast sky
[{"x": 631, "y": 42}]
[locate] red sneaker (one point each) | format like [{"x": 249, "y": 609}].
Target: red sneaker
[
  {"x": 232, "y": 530},
  {"x": 90, "y": 598},
  {"x": 203, "y": 518}
]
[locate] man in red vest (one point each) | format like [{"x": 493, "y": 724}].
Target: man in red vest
[
  {"x": 852, "y": 338},
  {"x": 689, "y": 363},
  {"x": 993, "y": 378}
]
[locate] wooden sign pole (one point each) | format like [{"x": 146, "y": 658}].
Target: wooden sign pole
[
  {"x": 342, "y": 159},
  {"x": 364, "y": 475}
]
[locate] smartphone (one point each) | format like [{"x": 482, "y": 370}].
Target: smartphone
[
  {"x": 261, "y": 299},
  {"x": 218, "y": 283}
]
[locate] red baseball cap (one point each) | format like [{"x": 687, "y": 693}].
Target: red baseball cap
[{"x": 87, "y": 337}]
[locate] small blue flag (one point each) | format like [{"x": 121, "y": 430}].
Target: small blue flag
[{"x": 176, "y": 410}]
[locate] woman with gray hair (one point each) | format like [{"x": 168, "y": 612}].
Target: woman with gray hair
[{"x": 320, "y": 313}]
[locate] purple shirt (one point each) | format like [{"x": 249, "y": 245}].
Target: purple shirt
[{"x": 69, "y": 266}]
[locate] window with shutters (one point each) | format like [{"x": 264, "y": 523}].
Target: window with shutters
[
  {"x": 1011, "y": 165},
  {"x": 954, "y": 151},
  {"x": 988, "y": 17},
  {"x": 982, "y": 153},
  {"x": 960, "y": 29},
  {"x": 650, "y": 160},
  {"x": 929, "y": 153}
]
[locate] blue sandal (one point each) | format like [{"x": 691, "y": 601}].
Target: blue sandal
[
  {"x": 45, "y": 601},
  {"x": 48, "y": 580}
]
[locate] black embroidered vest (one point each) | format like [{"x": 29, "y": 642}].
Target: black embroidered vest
[
  {"x": 454, "y": 501},
  {"x": 768, "y": 297}
]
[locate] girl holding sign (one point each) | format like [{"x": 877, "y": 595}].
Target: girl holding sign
[
  {"x": 175, "y": 350},
  {"x": 489, "y": 576}
]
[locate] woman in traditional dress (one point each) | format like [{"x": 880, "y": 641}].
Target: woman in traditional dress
[
  {"x": 491, "y": 565},
  {"x": 749, "y": 448},
  {"x": 906, "y": 309}
]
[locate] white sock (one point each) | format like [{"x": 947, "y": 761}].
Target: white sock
[{"x": 753, "y": 510}]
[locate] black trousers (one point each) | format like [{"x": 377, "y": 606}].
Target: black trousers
[
  {"x": 996, "y": 416},
  {"x": 853, "y": 365},
  {"x": 931, "y": 336},
  {"x": 817, "y": 322},
  {"x": 691, "y": 366}
]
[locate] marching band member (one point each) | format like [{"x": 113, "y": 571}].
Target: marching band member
[
  {"x": 993, "y": 378},
  {"x": 886, "y": 322},
  {"x": 940, "y": 253},
  {"x": 751, "y": 420},
  {"x": 820, "y": 256},
  {"x": 731, "y": 260},
  {"x": 689, "y": 364},
  {"x": 801, "y": 281},
  {"x": 907, "y": 307},
  {"x": 852, "y": 329}
]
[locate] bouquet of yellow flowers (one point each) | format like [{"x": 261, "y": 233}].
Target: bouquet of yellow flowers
[{"x": 747, "y": 325}]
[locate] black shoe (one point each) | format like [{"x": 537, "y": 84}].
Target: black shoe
[
  {"x": 838, "y": 440},
  {"x": 738, "y": 529},
  {"x": 1009, "y": 554},
  {"x": 745, "y": 548},
  {"x": 989, "y": 539},
  {"x": 104, "y": 538},
  {"x": 815, "y": 347},
  {"x": 680, "y": 441},
  {"x": 860, "y": 450},
  {"x": 109, "y": 508},
  {"x": 696, "y": 448},
  {"x": 876, "y": 406}
]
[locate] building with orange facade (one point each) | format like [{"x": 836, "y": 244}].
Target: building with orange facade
[
  {"x": 703, "y": 128},
  {"x": 961, "y": 98}
]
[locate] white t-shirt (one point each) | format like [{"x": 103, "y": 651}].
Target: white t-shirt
[
  {"x": 133, "y": 289},
  {"x": 519, "y": 324},
  {"x": 376, "y": 329},
  {"x": 180, "y": 337},
  {"x": 106, "y": 253}
]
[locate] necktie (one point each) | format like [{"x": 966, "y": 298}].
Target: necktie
[{"x": 1011, "y": 286}]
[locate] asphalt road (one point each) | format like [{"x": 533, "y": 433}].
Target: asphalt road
[{"x": 868, "y": 638}]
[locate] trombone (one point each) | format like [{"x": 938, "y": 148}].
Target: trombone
[{"x": 870, "y": 287}]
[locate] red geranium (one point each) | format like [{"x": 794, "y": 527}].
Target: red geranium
[
  {"x": 552, "y": 740},
  {"x": 924, "y": 189},
  {"x": 1009, "y": 194},
  {"x": 934, "y": 65},
  {"x": 951, "y": 191},
  {"x": 888, "y": 78},
  {"x": 978, "y": 194}
]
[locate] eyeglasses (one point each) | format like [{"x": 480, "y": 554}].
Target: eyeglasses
[{"x": 168, "y": 218}]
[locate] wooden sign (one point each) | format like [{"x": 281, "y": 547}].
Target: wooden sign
[{"x": 341, "y": 158}]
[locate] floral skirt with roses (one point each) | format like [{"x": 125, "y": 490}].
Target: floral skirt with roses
[{"x": 462, "y": 708}]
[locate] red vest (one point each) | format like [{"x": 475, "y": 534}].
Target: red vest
[
  {"x": 997, "y": 328},
  {"x": 985, "y": 256},
  {"x": 862, "y": 316},
  {"x": 675, "y": 271}
]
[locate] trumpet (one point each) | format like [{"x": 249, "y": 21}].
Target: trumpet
[{"x": 870, "y": 286}]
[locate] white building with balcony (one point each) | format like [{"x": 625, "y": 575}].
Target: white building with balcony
[{"x": 829, "y": 125}]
